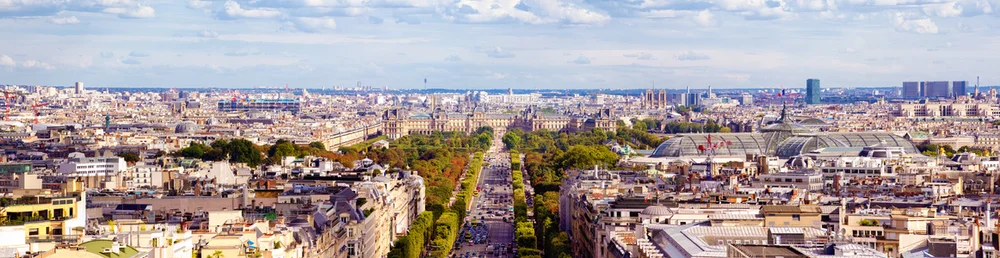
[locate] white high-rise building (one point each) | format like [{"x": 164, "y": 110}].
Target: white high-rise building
[{"x": 79, "y": 88}]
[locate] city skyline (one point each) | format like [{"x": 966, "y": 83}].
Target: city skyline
[{"x": 507, "y": 44}]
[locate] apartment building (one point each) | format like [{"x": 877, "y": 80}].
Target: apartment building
[{"x": 29, "y": 220}]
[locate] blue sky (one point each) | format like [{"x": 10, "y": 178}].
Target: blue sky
[{"x": 497, "y": 43}]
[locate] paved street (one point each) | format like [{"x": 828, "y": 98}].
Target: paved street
[{"x": 492, "y": 208}]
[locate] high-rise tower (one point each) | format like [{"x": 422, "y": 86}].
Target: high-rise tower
[{"x": 812, "y": 91}]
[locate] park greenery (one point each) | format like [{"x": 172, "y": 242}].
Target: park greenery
[
  {"x": 236, "y": 151},
  {"x": 547, "y": 157}
]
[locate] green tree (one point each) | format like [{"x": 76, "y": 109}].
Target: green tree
[
  {"x": 194, "y": 150},
  {"x": 317, "y": 145},
  {"x": 214, "y": 154},
  {"x": 640, "y": 125},
  {"x": 582, "y": 157},
  {"x": 220, "y": 144},
  {"x": 511, "y": 140},
  {"x": 244, "y": 151},
  {"x": 130, "y": 157},
  {"x": 598, "y": 132},
  {"x": 282, "y": 148}
]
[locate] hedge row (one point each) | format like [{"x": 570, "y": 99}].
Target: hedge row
[
  {"x": 524, "y": 233},
  {"x": 411, "y": 245},
  {"x": 445, "y": 233},
  {"x": 462, "y": 200}
]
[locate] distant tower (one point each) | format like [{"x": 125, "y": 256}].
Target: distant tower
[
  {"x": 709, "y": 91},
  {"x": 510, "y": 91},
  {"x": 975, "y": 94},
  {"x": 79, "y": 88},
  {"x": 812, "y": 91},
  {"x": 107, "y": 122}
]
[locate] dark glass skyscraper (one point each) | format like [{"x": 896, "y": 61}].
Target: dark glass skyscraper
[
  {"x": 812, "y": 91},
  {"x": 958, "y": 88}
]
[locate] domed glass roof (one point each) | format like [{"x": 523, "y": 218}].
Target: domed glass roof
[{"x": 657, "y": 210}]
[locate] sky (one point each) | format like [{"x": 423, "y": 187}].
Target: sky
[{"x": 490, "y": 44}]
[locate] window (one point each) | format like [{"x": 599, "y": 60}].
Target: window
[
  {"x": 350, "y": 249},
  {"x": 796, "y": 217},
  {"x": 33, "y": 232}
]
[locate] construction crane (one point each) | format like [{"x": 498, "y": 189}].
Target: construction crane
[
  {"x": 35, "y": 108},
  {"x": 6, "y": 101}
]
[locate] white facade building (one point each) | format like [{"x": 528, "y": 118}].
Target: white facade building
[{"x": 93, "y": 166}]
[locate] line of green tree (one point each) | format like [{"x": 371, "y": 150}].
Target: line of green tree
[
  {"x": 236, "y": 151},
  {"x": 524, "y": 231},
  {"x": 548, "y": 155},
  {"x": 440, "y": 159},
  {"x": 445, "y": 233},
  {"x": 468, "y": 185},
  {"x": 412, "y": 244}
]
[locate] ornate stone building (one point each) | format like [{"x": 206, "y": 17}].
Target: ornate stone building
[
  {"x": 398, "y": 122},
  {"x": 654, "y": 99}
]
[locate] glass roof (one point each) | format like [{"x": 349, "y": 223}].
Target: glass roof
[{"x": 780, "y": 143}]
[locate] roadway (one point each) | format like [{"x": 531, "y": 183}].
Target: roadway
[{"x": 491, "y": 207}]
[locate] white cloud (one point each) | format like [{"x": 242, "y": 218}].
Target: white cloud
[
  {"x": 496, "y": 75},
  {"x": 64, "y": 20},
  {"x": 568, "y": 12},
  {"x": 35, "y": 64},
  {"x": 645, "y": 56},
  {"x": 960, "y": 8},
  {"x": 134, "y": 12},
  {"x": 498, "y": 52},
  {"x": 704, "y": 19},
  {"x": 373, "y": 68},
  {"x": 138, "y": 54},
  {"x": 523, "y": 11},
  {"x": 208, "y": 34},
  {"x": 314, "y": 24},
  {"x": 132, "y": 61},
  {"x": 7, "y": 61},
  {"x": 581, "y": 60},
  {"x": 919, "y": 26},
  {"x": 44, "y": 8},
  {"x": 757, "y": 9},
  {"x": 692, "y": 56},
  {"x": 244, "y": 52},
  {"x": 196, "y": 4},
  {"x": 453, "y": 58},
  {"x": 233, "y": 10}
]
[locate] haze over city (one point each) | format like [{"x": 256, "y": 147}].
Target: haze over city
[{"x": 495, "y": 44}]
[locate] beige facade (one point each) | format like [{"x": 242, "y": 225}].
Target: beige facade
[
  {"x": 791, "y": 216},
  {"x": 397, "y": 122},
  {"x": 948, "y": 110}
]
